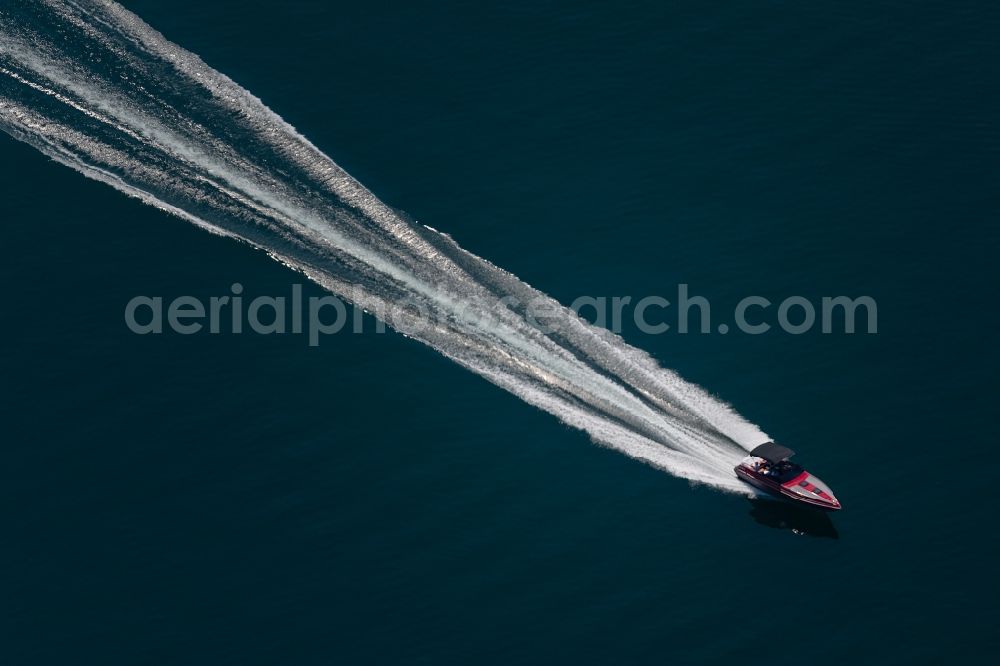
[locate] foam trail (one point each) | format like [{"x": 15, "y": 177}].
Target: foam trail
[{"x": 121, "y": 104}]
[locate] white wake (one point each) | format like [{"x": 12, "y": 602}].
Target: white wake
[{"x": 90, "y": 85}]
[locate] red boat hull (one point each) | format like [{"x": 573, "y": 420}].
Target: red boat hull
[{"x": 791, "y": 490}]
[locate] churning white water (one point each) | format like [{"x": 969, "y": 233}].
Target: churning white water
[{"x": 92, "y": 86}]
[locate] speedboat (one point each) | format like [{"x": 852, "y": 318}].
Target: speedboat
[{"x": 768, "y": 468}]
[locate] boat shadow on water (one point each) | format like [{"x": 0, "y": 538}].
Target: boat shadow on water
[{"x": 787, "y": 516}]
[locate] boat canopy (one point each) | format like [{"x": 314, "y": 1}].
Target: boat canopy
[{"x": 773, "y": 452}]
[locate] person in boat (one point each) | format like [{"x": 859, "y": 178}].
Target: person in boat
[{"x": 764, "y": 468}]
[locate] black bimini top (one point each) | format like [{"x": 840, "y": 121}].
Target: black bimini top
[{"x": 773, "y": 452}]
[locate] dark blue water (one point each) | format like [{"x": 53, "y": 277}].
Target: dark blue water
[{"x": 249, "y": 499}]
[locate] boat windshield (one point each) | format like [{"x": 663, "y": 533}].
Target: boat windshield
[{"x": 785, "y": 471}]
